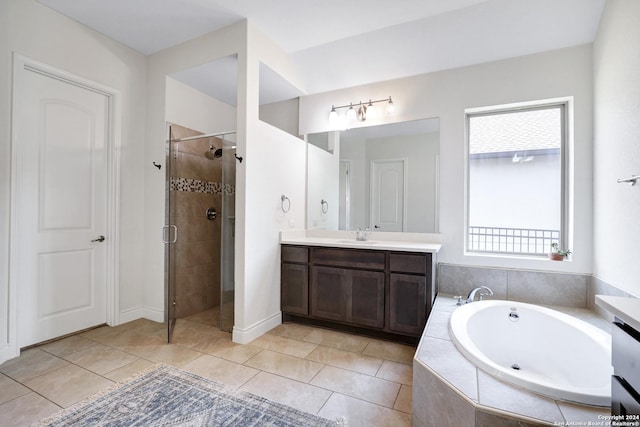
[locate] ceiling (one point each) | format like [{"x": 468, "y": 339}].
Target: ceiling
[{"x": 344, "y": 43}]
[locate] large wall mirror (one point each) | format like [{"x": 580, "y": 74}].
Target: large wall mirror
[{"x": 384, "y": 178}]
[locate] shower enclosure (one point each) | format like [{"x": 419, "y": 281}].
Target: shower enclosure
[{"x": 199, "y": 230}]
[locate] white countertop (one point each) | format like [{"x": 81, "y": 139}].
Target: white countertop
[
  {"x": 406, "y": 242},
  {"x": 626, "y": 308}
]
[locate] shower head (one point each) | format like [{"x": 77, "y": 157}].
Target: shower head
[{"x": 213, "y": 153}]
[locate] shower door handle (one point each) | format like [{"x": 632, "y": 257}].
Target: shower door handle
[{"x": 175, "y": 233}]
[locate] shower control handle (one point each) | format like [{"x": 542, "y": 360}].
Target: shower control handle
[{"x": 211, "y": 214}]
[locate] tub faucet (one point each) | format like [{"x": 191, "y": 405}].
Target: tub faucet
[{"x": 484, "y": 291}]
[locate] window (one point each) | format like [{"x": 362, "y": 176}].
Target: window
[{"x": 516, "y": 179}]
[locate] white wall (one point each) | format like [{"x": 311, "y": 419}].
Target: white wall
[
  {"x": 195, "y": 110},
  {"x": 446, "y": 94},
  {"x": 355, "y": 150},
  {"x": 207, "y": 48},
  {"x": 273, "y": 165},
  {"x": 322, "y": 184},
  {"x": 283, "y": 115},
  {"x": 617, "y": 146},
  {"x": 33, "y": 30}
]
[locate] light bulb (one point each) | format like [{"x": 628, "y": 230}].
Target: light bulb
[
  {"x": 391, "y": 107},
  {"x": 351, "y": 114},
  {"x": 333, "y": 115},
  {"x": 372, "y": 113}
]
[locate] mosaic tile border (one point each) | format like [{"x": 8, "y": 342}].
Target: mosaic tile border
[{"x": 198, "y": 186}]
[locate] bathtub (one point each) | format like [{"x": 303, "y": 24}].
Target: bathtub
[{"x": 537, "y": 348}]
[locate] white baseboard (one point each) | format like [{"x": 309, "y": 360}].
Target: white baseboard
[
  {"x": 8, "y": 352},
  {"x": 245, "y": 336},
  {"x": 141, "y": 313}
]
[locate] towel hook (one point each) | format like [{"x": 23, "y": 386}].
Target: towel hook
[
  {"x": 324, "y": 205},
  {"x": 631, "y": 180},
  {"x": 285, "y": 203}
]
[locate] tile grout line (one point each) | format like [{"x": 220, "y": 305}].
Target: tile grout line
[{"x": 331, "y": 393}]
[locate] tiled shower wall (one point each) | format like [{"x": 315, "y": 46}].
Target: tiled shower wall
[
  {"x": 535, "y": 287},
  {"x": 195, "y": 186}
]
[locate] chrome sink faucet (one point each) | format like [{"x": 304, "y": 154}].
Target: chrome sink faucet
[
  {"x": 484, "y": 292},
  {"x": 362, "y": 235}
]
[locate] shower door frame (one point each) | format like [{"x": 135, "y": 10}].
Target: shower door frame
[
  {"x": 170, "y": 229},
  {"x": 170, "y": 251}
]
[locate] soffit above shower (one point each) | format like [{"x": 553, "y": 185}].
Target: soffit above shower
[{"x": 218, "y": 79}]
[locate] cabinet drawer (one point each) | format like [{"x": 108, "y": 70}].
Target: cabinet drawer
[
  {"x": 408, "y": 263},
  {"x": 295, "y": 254},
  {"x": 625, "y": 350},
  {"x": 372, "y": 260}
]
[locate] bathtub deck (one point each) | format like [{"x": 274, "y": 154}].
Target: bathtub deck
[{"x": 450, "y": 391}]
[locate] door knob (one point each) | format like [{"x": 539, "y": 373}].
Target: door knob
[{"x": 99, "y": 239}]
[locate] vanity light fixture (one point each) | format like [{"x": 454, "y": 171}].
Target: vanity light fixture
[
  {"x": 363, "y": 111},
  {"x": 333, "y": 115},
  {"x": 391, "y": 107}
]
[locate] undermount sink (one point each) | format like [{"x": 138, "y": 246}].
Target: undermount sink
[{"x": 358, "y": 242}]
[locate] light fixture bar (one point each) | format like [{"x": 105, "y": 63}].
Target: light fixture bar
[{"x": 353, "y": 104}]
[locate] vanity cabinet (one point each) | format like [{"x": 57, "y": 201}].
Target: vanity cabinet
[
  {"x": 625, "y": 383},
  {"x": 384, "y": 293}
]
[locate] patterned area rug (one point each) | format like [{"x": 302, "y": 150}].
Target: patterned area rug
[{"x": 167, "y": 396}]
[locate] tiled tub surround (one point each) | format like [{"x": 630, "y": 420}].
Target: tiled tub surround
[
  {"x": 534, "y": 287},
  {"x": 450, "y": 391},
  {"x": 195, "y": 185}
]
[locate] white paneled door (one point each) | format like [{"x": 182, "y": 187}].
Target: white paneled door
[
  {"x": 61, "y": 207},
  {"x": 388, "y": 195}
]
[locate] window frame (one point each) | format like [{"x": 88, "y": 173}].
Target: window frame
[{"x": 566, "y": 173}]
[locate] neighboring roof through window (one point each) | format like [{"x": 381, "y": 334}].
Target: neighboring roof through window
[{"x": 537, "y": 129}]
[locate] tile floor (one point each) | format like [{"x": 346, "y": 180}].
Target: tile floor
[{"x": 323, "y": 372}]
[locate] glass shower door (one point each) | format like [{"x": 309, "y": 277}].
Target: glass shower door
[{"x": 170, "y": 236}]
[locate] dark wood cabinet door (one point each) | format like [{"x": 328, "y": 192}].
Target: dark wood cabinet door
[
  {"x": 625, "y": 383},
  {"x": 407, "y": 303},
  {"x": 365, "y": 298},
  {"x": 623, "y": 400},
  {"x": 294, "y": 289},
  {"x": 328, "y": 293}
]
